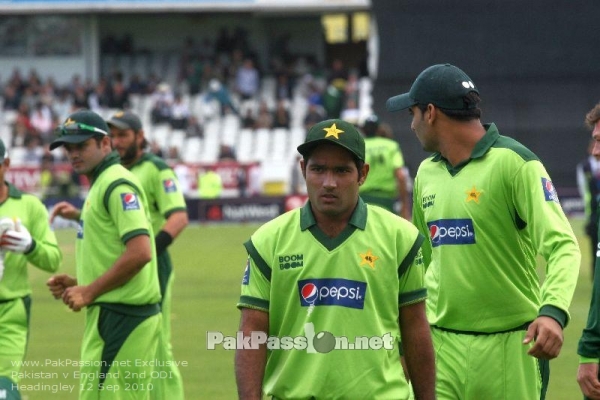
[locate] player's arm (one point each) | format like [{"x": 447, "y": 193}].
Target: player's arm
[
  {"x": 418, "y": 349},
  {"x": 402, "y": 183},
  {"x": 539, "y": 210},
  {"x": 250, "y": 363},
  {"x": 174, "y": 225},
  {"x": 44, "y": 252},
  {"x": 65, "y": 210},
  {"x": 587, "y": 377},
  {"x": 138, "y": 252}
]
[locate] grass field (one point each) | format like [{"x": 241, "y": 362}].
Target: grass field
[{"x": 209, "y": 262}]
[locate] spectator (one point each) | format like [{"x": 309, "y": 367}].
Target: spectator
[
  {"x": 42, "y": 121},
  {"x": 180, "y": 112},
  {"x": 247, "y": 80},
  {"x": 226, "y": 153},
  {"x": 281, "y": 116},
  {"x": 162, "y": 101},
  {"x": 264, "y": 120},
  {"x": 194, "y": 128},
  {"x": 210, "y": 185},
  {"x": 218, "y": 92},
  {"x": 314, "y": 115},
  {"x": 249, "y": 121}
]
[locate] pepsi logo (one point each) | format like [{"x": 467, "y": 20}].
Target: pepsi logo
[
  {"x": 129, "y": 198},
  {"x": 434, "y": 233},
  {"x": 309, "y": 293}
]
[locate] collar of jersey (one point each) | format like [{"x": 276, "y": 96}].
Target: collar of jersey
[
  {"x": 358, "y": 218},
  {"x": 111, "y": 159},
  {"x": 482, "y": 147}
]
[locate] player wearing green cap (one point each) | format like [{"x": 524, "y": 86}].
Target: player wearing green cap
[
  {"x": 117, "y": 284},
  {"x": 489, "y": 208},
  {"x": 387, "y": 181},
  {"x": 25, "y": 238},
  {"x": 168, "y": 214},
  {"x": 336, "y": 271}
]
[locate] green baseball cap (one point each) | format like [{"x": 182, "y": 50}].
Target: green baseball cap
[
  {"x": 79, "y": 127},
  {"x": 442, "y": 85},
  {"x": 334, "y": 131},
  {"x": 125, "y": 120}
]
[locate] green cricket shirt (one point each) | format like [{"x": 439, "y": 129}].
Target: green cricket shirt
[
  {"x": 161, "y": 187},
  {"x": 115, "y": 211},
  {"x": 486, "y": 220},
  {"x": 384, "y": 157},
  {"x": 44, "y": 254},
  {"x": 348, "y": 288}
]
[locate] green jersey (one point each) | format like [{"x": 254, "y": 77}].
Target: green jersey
[
  {"x": 44, "y": 253},
  {"x": 161, "y": 187},
  {"x": 384, "y": 157},
  {"x": 114, "y": 211},
  {"x": 487, "y": 219},
  {"x": 320, "y": 291}
]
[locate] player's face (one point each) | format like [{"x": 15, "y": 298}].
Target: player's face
[
  {"x": 85, "y": 156},
  {"x": 332, "y": 182},
  {"x": 596, "y": 137},
  {"x": 124, "y": 141},
  {"x": 422, "y": 129}
]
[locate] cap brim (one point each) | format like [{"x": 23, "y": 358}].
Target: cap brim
[
  {"x": 400, "y": 102},
  {"x": 73, "y": 139},
  {"x": 305, "y": 148},
  {"x": 118, "y": 124}
]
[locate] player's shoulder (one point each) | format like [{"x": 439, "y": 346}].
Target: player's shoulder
[
  {"x": 154, "y": 161},
  {"x": 285, "y": 221},
  {"x": 515, "y": 148}
]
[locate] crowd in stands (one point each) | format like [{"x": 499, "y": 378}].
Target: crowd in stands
[{"x": 226, "y": 73}]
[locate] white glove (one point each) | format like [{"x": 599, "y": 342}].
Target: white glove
[{"x": 18, "y": 240}]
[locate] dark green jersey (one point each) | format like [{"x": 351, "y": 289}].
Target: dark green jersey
[
  {"x": 45, "y": 253},
  {"x": 161, "y": 187},
  {"x": 487, "y": 219},
  {"x": 114, "y": 211},
  {"x": 350, "y": 287}
]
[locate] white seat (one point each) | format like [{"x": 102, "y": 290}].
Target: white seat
[
  {"x": 261, "y": 144},
  {"x": 244, "y": 145},
  {"x": 191, "y": 150}
]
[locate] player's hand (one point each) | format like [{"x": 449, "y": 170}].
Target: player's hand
[
  {"x": 65, "y": 210},
  {"x": 587, "y": 377},
  {"x": 77, "y": 297},
  {"x": 58, "y": 283},
  {"x": 548, "y": 336},
  {"x": 17, "y": 240}
]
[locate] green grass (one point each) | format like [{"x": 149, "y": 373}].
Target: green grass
[{"x": 209, "y": 262}]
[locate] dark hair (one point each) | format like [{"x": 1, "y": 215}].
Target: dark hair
[
  {"x": 593, "y": 116},
  {"x": 470, "y": 112}
]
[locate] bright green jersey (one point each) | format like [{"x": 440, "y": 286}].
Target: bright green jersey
[
  {"x": 384, "y": 157},
  {"x": 486, "y": 220},
  {"x": 349, "y": 288},
  {"x": 44, "y": 253},
  {"x": 115, "y": 211},
  {"x": 161, "y": 187}
]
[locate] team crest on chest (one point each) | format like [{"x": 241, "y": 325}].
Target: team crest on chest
[
  {"x": 473, "y": 194},
  {"x": 368, "y": 258}
]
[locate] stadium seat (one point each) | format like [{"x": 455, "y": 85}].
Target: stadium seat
[
  {"x": 261, "y": 144},
  {"x": 244, "y": 145}
]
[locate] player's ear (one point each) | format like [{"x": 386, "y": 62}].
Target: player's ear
[
  {"x": 303, "y": 167},
  {"x": 363, "y": 174}
]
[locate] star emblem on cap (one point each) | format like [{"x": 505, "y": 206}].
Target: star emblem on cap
[
  {"x": 69, "y": 121},
  {"x": 333, "y": 131},
  {"x": 368, "y": 258}
]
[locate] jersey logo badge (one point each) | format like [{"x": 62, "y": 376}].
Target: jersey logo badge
[
  {"x": 332, "y": 292},
  {"x": 246, "y": 278},
  {"x": 291, "y": 261},
  {"x": 428, "y": 201},
  {"x": 130, "y": 201},
  {"x": 368, "y": 258},
  {"x": 80, "y": 229},
  {"x": 549, "y": 190},
  {"x": 169, "y": 186},
  {"x": 473, "y": 194},
  {"x": 451, "y": 232}
]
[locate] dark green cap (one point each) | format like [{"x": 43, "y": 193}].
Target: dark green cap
[
  {"x": 442, "y": 85},
  {"x": 334, "y": 131},
  {"x": 125, "y": 120},
  {"x": 79, "y": 127}
]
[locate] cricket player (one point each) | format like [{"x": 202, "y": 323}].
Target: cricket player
[
  {"x": 116, "y": 284},
  {"x": 326, "y": 281},
  {"x": 26, "y": 238},
  {"x": 488, "y": 208},
  {"x": 169, "y": 217}
]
